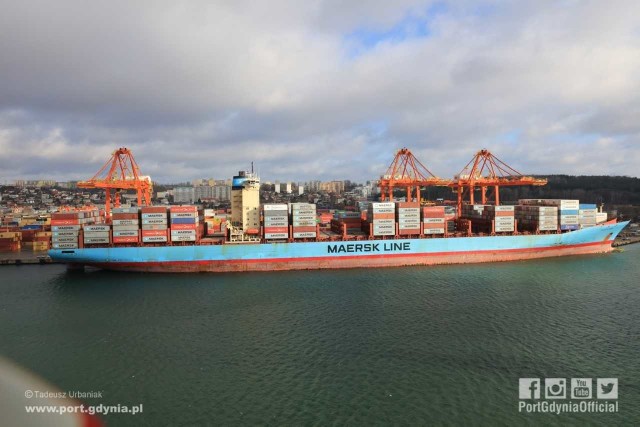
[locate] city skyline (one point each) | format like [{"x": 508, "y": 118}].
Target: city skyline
[{"x": 326, "y": 90}]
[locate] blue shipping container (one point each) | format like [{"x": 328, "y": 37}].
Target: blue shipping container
[
  {"x": 588, "y": 206},
  {"x": 184, "y": 220},
  {"x": 32, "y": 227}
]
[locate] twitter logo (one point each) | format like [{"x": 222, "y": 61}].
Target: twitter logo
[{"x": 607, "y": 388}]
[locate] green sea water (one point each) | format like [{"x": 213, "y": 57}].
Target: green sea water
[{"x": 400, "y": 346}]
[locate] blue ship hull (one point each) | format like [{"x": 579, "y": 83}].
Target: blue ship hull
[{"x": 342, "y": 254}]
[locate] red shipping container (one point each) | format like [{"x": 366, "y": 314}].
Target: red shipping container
[
  {"x": 74, "y": 215},
  {"x": 304, "y": 229},
  {"x": 277, "y": 229},
  {"x": 131, "y": 239},
  {"x": 409, "y": 232},
  {"x": 408, "y": 205},
  {"x": 65, "y": 222},
  {"x": 427, "y": 225},
  {"x": 184, "y": 226},
  {"x": 153, "y": 209},
  {"x": 153, "y": 233},
  {"x": 382, "y": 216},
  {"x": 124, "y": 216},
  {"x": 182, "y": 209},
  {"x": 504, "y": 213}
]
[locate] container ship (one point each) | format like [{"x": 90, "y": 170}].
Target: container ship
[
  {"x": 297, "y": 236},
  {"x": 290, "y": 236}
]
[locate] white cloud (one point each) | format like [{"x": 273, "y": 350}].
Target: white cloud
[{"x": 200, "y": 88}]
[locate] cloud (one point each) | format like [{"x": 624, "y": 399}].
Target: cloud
[{"x": 317, "y": 90}]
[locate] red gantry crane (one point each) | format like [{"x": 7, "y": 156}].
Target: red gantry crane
[
  {"x": 485, "y": 171},
  {"x": 121, "y": 172},
  {"x": 407, "y": 172}
]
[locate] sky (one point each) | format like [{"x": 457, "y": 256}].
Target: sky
[{"x": 319, "y": 89}]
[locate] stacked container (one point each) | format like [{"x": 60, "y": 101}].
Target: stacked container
[
  {"x": 154, "y": 224},
  {"x": 601, "y": 217},
  {"x": 303, "y": 220},
  {"x": 184, "y": 223},
  {"x": 276, "y": 221},
  {"x": 125, "y": 222},
  {"x": 502, "y": 217},
  {"x": 408, "y": 217},
  {"x": 352, "y": 221},
  {"x": 96, "y": 234},
  {"x": 587, "y": 215},
  {"x": 10, "y": 240},
  {"x": 216, "y": 223},
  {"x": 433, "y": 220},
  {"x": 568, "y": 211},
  {"x": 65, "y": 228},
  {"x": 537, "y": 218},
  {"x": 383, "y": 217},
  {"x": 472, "y": 211}
]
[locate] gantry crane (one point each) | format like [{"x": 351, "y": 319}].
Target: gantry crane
[
  {"x": 407, "y": 171},
  {"x": 486, "y": 171},
  {"x": 121, "y": 172}
]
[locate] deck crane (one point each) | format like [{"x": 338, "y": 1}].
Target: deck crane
[
  {"x": 407, "y": 172},
  {"x": 486, "y": 171},
  {"x": 120, "y": 172}
]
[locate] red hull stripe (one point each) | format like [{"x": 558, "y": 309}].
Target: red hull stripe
[{"x": 455, "y": 257}]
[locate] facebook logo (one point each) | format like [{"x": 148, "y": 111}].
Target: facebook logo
[{"x": 529, "y": 388}]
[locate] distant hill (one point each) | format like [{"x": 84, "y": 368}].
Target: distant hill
[{"x": 611, "y": 190}]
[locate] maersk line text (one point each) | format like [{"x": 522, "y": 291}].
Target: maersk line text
[{"x": 368, "y": 247}]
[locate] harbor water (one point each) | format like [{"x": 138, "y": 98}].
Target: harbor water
[{"x": 404, "y": 346}]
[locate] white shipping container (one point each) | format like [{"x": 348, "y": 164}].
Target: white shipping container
[
  {"x": 276, "y": 218},
  {"x": 276, "y": 235},
  {"x": 63, "y": 245},
  {"x": 601, "y": 217},
  {"x": 65, "y": 233},
  {"x": 383, "y": 232},
  {"x": 65, "y": 228},
  {"x": 402, "y": 215},
  {"x": 183, "y": 238},
  {"x": 154, "y": 215},
  {"x": 209, "y": 213},
  {"x": 154, "y": 239},
  {"x": 154, "y": 221},
  {"x": 433, "y": 220},
  {"x": 390, "y": 227},
  {"x": 303, "y": 223},
  {"x": 125, "y": 227},
  {"x": 183, "y": 233},
  {"x": 502, "y": 208},
  {"x": 95, "y": 228},
  {"x": 275, "y": 207},
  {"x": 303, "y": 217},
  {"x": 56, "y": 239},
  {"x": 415, "y": 221},
  {"x": 402, "y": 226},
  {"x": 383, "y": 205},
  {"x": 276, "y": 224},
  {"x": 434, "y": 231},
  {"x": 125, "y": 222},
  {"x": 97, "y": 234},
  {"x": 304, "y": 235},
  {"x": 154, "y": 226},
  {"x": 383, "y": 222},
  {"x": 382, "y": 210},
  {"x": 547, "y": 227},
  {"x": 90, "y": 240},
  {"x": 125, "y": 233},
  {"x": 503, "y": 229}
]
